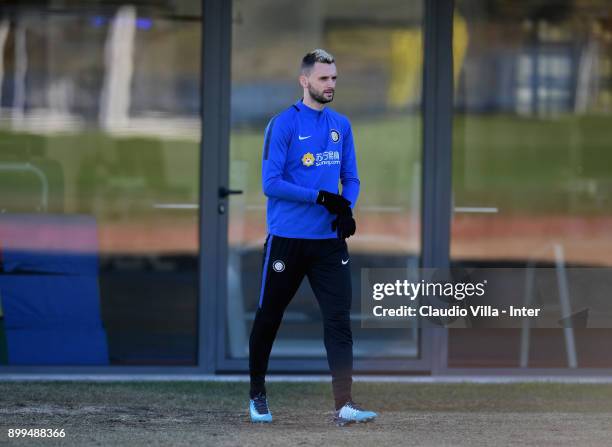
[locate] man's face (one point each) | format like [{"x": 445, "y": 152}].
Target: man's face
[{"x": 321, "y": 82}]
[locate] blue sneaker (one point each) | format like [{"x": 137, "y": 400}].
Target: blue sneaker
[
  {"x": 259, "y": 410},
  {"x": 351, "y": 412}
]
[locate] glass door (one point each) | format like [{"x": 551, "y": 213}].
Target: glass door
[{"x": 379, "y": 59}]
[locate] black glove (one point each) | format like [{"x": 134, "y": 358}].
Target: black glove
[
  {"x": 344, "y": 225},
  {"x": 334, "y": 203}
]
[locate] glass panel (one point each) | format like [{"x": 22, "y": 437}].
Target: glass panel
[
  {"x": 531, "y": 162},
  {"x": 99, "y": 155},
  {"x": 378, "y": 55}
]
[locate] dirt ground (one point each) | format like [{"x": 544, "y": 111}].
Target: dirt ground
[{"x": 152, "y": 414}]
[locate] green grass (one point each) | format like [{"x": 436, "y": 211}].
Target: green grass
[
  {"x": 520, "y": 165},
  {"x": 206, "y": 413},
  {"x": 99, "y": 174},
  {"x": 226, "y": 396},
  {"x": 531, "y": 165}
]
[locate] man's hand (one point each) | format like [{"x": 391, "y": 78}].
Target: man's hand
[
  {"x": 334, "y": 203},
  {"x": 344, "y": 225}
]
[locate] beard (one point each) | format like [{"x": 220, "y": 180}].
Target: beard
[{"x": 319, "y": 96}]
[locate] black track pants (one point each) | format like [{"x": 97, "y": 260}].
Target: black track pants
[{"x": 326, "y": 264}]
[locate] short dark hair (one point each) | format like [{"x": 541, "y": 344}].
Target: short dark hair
[{"x": 314, "y": 56}]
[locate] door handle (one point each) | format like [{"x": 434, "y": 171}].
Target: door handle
[{"x": 224, "y": 192}]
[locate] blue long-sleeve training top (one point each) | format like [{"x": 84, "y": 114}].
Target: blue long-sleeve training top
[{"x": 304, "y": 151}]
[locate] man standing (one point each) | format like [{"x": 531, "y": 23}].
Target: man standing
[{"x": 308, "y": 149}]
